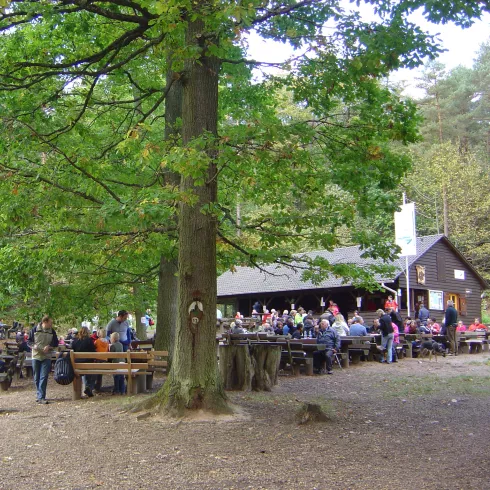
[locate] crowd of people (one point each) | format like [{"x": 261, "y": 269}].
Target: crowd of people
[
  {"x": 329, "y": 327},
  {"x": 42, "y": 340}
]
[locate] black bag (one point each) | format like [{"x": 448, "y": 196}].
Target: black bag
[{"x": 63, "y": 370}]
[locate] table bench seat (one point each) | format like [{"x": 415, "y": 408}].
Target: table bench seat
[{"x": 132, "y": 364}]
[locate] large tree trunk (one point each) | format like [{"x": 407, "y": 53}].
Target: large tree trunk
[
  {"x": 193, "y": 382},
  {"x": 168, "y": 282},
  {"x": 166, "y": 306}
]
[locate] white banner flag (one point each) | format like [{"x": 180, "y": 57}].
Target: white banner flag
[{"x": 405, "y": 235}]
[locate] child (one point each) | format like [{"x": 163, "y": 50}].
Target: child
[
  {"x": 101, "y": 345},
  {"x": 116, "y": 346}
]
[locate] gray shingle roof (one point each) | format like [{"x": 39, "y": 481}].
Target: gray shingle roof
[{"x": 250, "y": 280}]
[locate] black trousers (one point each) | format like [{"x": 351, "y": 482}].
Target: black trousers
[{"x": 321, "y": 356}]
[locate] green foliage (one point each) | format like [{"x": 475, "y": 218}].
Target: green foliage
[
  {"x": 307, "y": 154},
  {"x": 454, "y": 158}
]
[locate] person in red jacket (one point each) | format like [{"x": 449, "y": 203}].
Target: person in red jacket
[
  {"x": 391, "y": 303},
  {"x": 476, "y": 325}
]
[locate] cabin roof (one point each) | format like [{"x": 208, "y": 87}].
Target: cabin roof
[{"x": 277, "y": 277}]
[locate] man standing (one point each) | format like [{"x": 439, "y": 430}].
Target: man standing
[
  {"x": 450, "y": 323},
  {"x": 387, "y": 333},
  {"x": 42, "y": 340},
  {"x": 121, "y": 326},
  {"x": 423, "y": 314},
  {"x": 328, "y": 336}
]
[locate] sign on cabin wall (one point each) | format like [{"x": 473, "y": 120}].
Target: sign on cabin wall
[
  {"x": 420, "y": 269},
  {"x": 458, "y": 274},
  {"x": 436, "y": 300}
]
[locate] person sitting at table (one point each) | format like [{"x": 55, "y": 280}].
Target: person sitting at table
[
  {"x": 328, "y": 336},
  {"x": 84, "y": 343},
  {"x": 267, "y": 327},
  {"x": 357, "y": 328},
  {"x": 116, "y": 346},
  {"x": 406, "y": 324},
  {"x": 289, "y": 328},
  {"x": 476, "y": 325},
  {"x": 374, "y": 329},
  {"x": 278, "y": 328},
  {"x": 101, "y": 345},
  {"x": 340, "y": 326},
  {"x": 236, "y": 327},
  {"x": 461, "y": 327},
  {"x": 298, "y": 333},
  {"x": 412, "y": 328},
  {"x": 309, "y": 323},
  {"x": 274, "y": 317}
]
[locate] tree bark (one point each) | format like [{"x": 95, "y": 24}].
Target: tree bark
[
  {"x": 193, "y": 381},
  {"x": 236, "y": 367},
  {"x": 166, "y": 306},
  {"x": 168, "y": 282},
  {"x": 245, "y": 368},
  {"x": 139, "y": 313},
  {"x": 266, "y": 361}
]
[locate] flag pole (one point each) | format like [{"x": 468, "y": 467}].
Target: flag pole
[{"x": 407, "y": 273}]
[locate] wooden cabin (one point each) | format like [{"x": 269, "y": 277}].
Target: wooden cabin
[{"x": 437, "y": 273}]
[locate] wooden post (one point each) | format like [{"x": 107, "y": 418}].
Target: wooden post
[
  {"x": 77, "y": 388},
  {"x": 130, "y": 381}
]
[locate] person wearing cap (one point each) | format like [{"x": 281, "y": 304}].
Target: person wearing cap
[{"x": 121, "y": 326}]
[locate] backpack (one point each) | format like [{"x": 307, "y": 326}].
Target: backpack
[{"x": 63, "y": 370}]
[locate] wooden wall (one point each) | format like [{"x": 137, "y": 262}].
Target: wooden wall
[{"x": 440, "y": 263}]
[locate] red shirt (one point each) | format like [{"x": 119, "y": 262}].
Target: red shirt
[
  {"x": 477, "y": 326},
  {"x": 391, "y": 304}
]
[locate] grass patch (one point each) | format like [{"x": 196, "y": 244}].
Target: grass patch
[{"x": 429, "y": 385}]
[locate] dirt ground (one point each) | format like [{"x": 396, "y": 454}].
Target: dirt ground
[{"x": 414, "y": 424}]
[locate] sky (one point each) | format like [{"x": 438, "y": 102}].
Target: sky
[{"x": 462, "y": 46}]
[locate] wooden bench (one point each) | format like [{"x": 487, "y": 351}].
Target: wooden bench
[
  {"x": 12, "y": 347},
  {"x": 295, "y": 356},
  {"x": 475, "y": 341},
  {"x": 7, "y": 376},
  {"x": 138, "y": 366},
  {"x": 134, "y": 364},
  {"x": 157, "y": 362}
]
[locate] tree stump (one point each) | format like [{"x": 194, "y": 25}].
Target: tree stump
[
  {"x": 311, "y": 412},
  {"x": 265, "y": 359},
  {"x": 236, "y": 367},
  {"x": 246, "y": 368}
]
